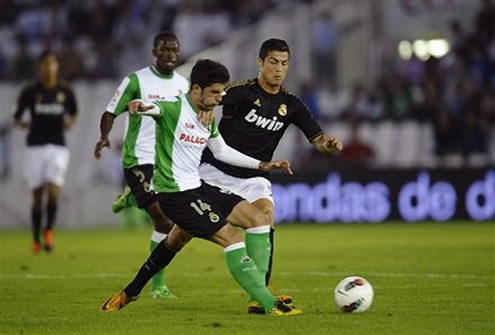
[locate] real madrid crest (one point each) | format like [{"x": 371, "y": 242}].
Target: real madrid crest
[
  {"x": 60, "y": 97},
  {"x": 282, "y": 110}
]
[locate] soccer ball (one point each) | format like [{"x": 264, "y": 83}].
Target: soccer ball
[{"x": 353, "y": 294}]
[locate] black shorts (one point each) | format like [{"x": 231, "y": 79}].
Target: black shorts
[
  {"x": 201, "y": 211},
  {"x": 139, "y": 180}
]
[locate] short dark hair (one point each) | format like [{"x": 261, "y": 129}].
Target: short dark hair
[
  {"x": 164, "y": 36},
  {"x": 46, "y": 53},
  {"x": 273, "y": 44},
  {"x": 207, "y": 72}
]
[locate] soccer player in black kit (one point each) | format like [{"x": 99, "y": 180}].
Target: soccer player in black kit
[
  {"x": 52, "y": 107},
  {"x": 256, "y": 113}
]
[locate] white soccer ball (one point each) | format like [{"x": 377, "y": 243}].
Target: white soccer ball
[{"x": 353, "y": 295}]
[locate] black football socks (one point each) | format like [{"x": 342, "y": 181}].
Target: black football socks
[
  {"x": 159, "y": 258},
  {"x": 51, "y": 212},
  {"x": 36, "y": 223}
]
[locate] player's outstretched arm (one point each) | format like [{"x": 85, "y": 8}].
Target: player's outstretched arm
[
  {"x": 229, "y": 155},
  {"x": 327, "y": 144},
  {"x": 106, "y": 124},
  {"x": 138, "y": 106},
  {"x": 282, "y": 165}
]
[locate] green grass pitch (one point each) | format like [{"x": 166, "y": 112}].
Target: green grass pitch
[{"x": 429, "y": 278}]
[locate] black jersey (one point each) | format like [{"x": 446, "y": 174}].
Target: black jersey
[
  {"x": 47, "y": 107},
  {"x": 254, "y": 121}
]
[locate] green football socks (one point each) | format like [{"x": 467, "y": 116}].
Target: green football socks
[
  {"x": 247, "y": 274},
  {"x": 131, "y": 200},
  {"x": 259, "y": 248}
]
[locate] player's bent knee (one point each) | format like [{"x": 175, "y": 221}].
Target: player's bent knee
[
  {"x": 259, "y": 219},
  {"x": 228, "y": 235},
  {"x": 237, "y": 236},
  {"x": 246, "y": 215},
  {"x": 162, "y": 226},
  {"x": 266, "y": 207},
  {"x": 173, "y": 245},
  {"x": 269, "y": 218},
  {"x": 161, "y": 222},
  {"x": 177, "y": 239}
]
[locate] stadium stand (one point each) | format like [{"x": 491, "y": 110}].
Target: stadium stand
[{"x": 437, "y": 112}]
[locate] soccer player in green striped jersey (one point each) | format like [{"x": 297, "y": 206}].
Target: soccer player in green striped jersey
[
  {"x": 151, "y": 83},
  {"x": 198, "y": 209}
]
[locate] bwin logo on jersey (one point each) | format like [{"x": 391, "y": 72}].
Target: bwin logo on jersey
[
  {"x": 49, "y": 109},
  {"x": 263, "y": 122}
]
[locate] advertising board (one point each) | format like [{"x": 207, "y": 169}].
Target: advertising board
[{"x": 377, "y": 195}]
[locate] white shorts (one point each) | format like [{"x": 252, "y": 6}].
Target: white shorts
[
  {"x": 250, "y": 189},
  {"x": 45, "y": 163}
]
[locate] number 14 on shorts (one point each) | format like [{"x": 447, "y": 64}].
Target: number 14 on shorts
[{"x": 202, "y": 207}]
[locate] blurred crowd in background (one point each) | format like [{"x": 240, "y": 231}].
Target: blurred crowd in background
[
  {"x": 98, "y": 39},
  {"x": 104, "y": 38},
  {"x": 456, "y": 93}
]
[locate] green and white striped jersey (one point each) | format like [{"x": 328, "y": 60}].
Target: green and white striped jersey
[
  {"x": 181, "y": 139},
  {"x": 150, "y": 85}
]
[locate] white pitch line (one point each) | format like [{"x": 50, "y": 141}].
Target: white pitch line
[
  {"x": 281, "y": 290},
  {"x": 31, "y": 276},
  {"x": 284, "y": 274}
]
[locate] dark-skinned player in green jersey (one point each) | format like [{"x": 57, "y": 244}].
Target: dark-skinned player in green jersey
[{"x": 153, "y": 82}]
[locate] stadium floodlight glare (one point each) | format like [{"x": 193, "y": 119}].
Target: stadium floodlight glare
[
  {"x": 405, "y": 50},
  {"x": 421, "y": 50},
  {"x": 438, "y": 47}
]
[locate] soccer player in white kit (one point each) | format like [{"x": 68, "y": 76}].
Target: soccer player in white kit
[
  {"x": 151, "y": 83},
  {"x": 256, "y": 113}
]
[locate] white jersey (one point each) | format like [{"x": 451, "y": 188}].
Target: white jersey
[
  {"x": 182, "y": 141},
  {"x": 150, "y": 85}
]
